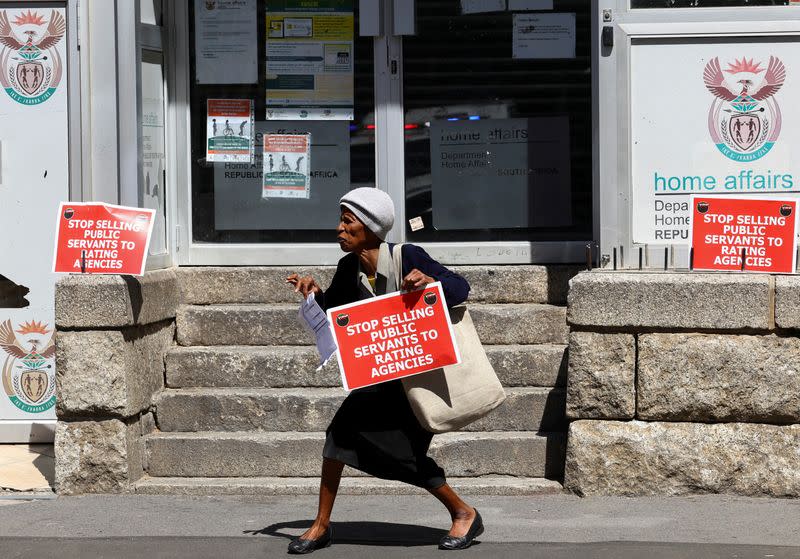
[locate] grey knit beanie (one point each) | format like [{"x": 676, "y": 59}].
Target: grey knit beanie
[{"x": 373, "y": 207}]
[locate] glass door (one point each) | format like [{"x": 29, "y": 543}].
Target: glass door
[{"x": 497, "y": 100}]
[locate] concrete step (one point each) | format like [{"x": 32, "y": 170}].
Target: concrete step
[
  {"x": 268, "y": 324},
  {"x": 295, "y": 366},
  {"x": 311, "y": 409},
  {"x": 273, "y": 486},
  {"x": 259, "y": 284},
  {"x": 298, "y": 454}
]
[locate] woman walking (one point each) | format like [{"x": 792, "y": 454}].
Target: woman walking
[{"x": 392, "y": 445}]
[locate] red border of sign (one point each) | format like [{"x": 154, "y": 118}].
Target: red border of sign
[
  {"x": 437, "y": 285},
  {"x": 146, "y": 246},
  {"x": 762, "y": 198}
]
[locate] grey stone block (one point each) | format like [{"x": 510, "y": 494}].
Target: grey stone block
[
  {"x": 296, "y": 454},
  {"x": 311, "y": 409},
  {"x": 520, "y": 324},
  {"x": 602, "y": 370},
  {"x": 259, "y": 324},
  {"x": 269, "y": 486},
  {"x": 245, "y": 284},
  {"x": 99, "y": 301},
  {"x": 295, "y": 366},
  {"x": 529, "y": 365},
  {"x": 110, "y": 372},
  {"x": 718, "y": 378},
  {"x": 97, "y": 456},
  {"x": 669, "y": 300},
  {"x": 249, "y": 366},
  {"x": 506, "y": 284},
  {"x": 637, "y": 458},
  {"x": 787, "y": 301},
  {"x": 255, "y": 324}
]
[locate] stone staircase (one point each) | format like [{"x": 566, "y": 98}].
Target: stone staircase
[{"x": 244, "y": 411}]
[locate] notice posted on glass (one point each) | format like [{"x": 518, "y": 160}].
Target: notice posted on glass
[
  {"x": 310, "y": 60},
  {"x": 229, "y": 130},
  {"x": 286, "y": 166}
]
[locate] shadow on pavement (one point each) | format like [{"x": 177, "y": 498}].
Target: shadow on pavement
[{"x": 362, "y": 533}]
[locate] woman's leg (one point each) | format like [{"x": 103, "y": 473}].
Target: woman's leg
[
  {"x": 461, "y": 513},
  {"x": 328, "y": 487}
]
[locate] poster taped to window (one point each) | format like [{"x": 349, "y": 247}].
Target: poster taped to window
[
  {"x": 226, "y": 41},
  {"x": 286, "y": 166},
  {"x": 310, "y": 60},
  {"x": 229, "y": 130}
]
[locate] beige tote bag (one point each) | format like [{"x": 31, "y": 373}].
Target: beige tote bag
[{"x": 449, "y": 398}]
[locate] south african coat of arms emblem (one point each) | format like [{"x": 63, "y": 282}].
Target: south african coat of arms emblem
[
  {"x": 744, "y": 119},
  {"x": 28, "y": 374},
  {"x": 30, "y": 64}
]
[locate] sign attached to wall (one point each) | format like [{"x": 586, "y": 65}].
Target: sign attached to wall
[
  {"x": 286, "y": 165},
  {"x": 710, "y": 119},
  {"x": 393, "y": 336},
  {"x": 226, "y": 41},
  {"x": 34, "y": 178},
  {"x": 229, "y": 130},
  {"x": 763, "y": 232},
  {"x": 501, "y": 173},
  {"x": 310, "y": 60},
  {"x": 95, "y": 238}
]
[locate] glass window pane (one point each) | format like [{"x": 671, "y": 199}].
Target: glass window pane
[
  {"x": 150, "y": 12},
  {"x": 152, "y": 164},
  {"x": 227, "y": 198},
  {"x": 705, "y": 3},
  {"x": 498, "y": 123}
]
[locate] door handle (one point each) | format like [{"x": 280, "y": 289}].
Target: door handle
[{"x": 608, "y": 36}]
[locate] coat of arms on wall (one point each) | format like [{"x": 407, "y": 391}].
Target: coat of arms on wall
[
  {"x": 745, "y": 118},
  {"x": 30, "y": 65},
  {"x": 28, "y": 373}
]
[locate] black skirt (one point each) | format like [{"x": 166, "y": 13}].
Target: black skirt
[{"x": 375, "y": 431}]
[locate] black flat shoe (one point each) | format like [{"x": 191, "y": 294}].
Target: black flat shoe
[
  {"x": 452, "y": 543},
  {"x": 299, "y": 546}
]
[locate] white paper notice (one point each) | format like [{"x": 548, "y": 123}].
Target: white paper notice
[
  {"x": 544, "y": 35},
  {"x": 226, "y": 41},
  {"x": 482, "y": 6},
  {"x": 529, "y": 5},
  {"x": 313, "y": 318}
]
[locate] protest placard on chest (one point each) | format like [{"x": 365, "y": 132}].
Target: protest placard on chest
[{"x": 393, "y": 336}]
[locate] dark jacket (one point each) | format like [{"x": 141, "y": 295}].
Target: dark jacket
[{"x": 344, "y": 286}]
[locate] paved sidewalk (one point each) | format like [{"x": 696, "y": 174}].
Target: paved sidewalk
[{"x": 558, "y": 526}]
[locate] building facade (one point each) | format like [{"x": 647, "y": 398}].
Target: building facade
[{"x": 521, "y": 141}]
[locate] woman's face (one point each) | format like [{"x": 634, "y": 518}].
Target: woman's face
[{"x": 353, "y": 235}]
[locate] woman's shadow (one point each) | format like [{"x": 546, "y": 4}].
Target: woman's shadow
[{"x": 363, "y": 533}]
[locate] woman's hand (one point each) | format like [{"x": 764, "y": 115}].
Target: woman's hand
[
  {"x": 304, "y": 285},
  {"x": 415, "y": 279}
]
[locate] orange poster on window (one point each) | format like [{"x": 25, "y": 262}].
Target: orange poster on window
[
  {"x": 96, "y": 238},
  {"x": 393, "y": 336}
]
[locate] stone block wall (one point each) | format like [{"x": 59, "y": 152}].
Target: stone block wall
[
  {"x": 683, "y": 383},
  {"x": 112, "y": 335}
]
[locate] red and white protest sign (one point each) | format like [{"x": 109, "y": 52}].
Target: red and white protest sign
[
  {"x": 393, "y": 336},
  {"x": 762, "y": 230},
  {"x": 96, "y": 238}
]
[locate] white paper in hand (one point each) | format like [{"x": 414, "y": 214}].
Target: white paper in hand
[{"x": 315, "y": 320}]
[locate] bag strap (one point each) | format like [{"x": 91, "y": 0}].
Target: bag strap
[{"x": 397, "y": 258}]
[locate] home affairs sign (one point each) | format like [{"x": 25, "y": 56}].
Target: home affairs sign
[{"x": 710, "y": 119}]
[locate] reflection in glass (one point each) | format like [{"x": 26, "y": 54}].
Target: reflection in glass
[
  {"x": 153, "y": 155},
  {"x": 497, "y": 148},
  {"x": 705, "y": 3}
]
